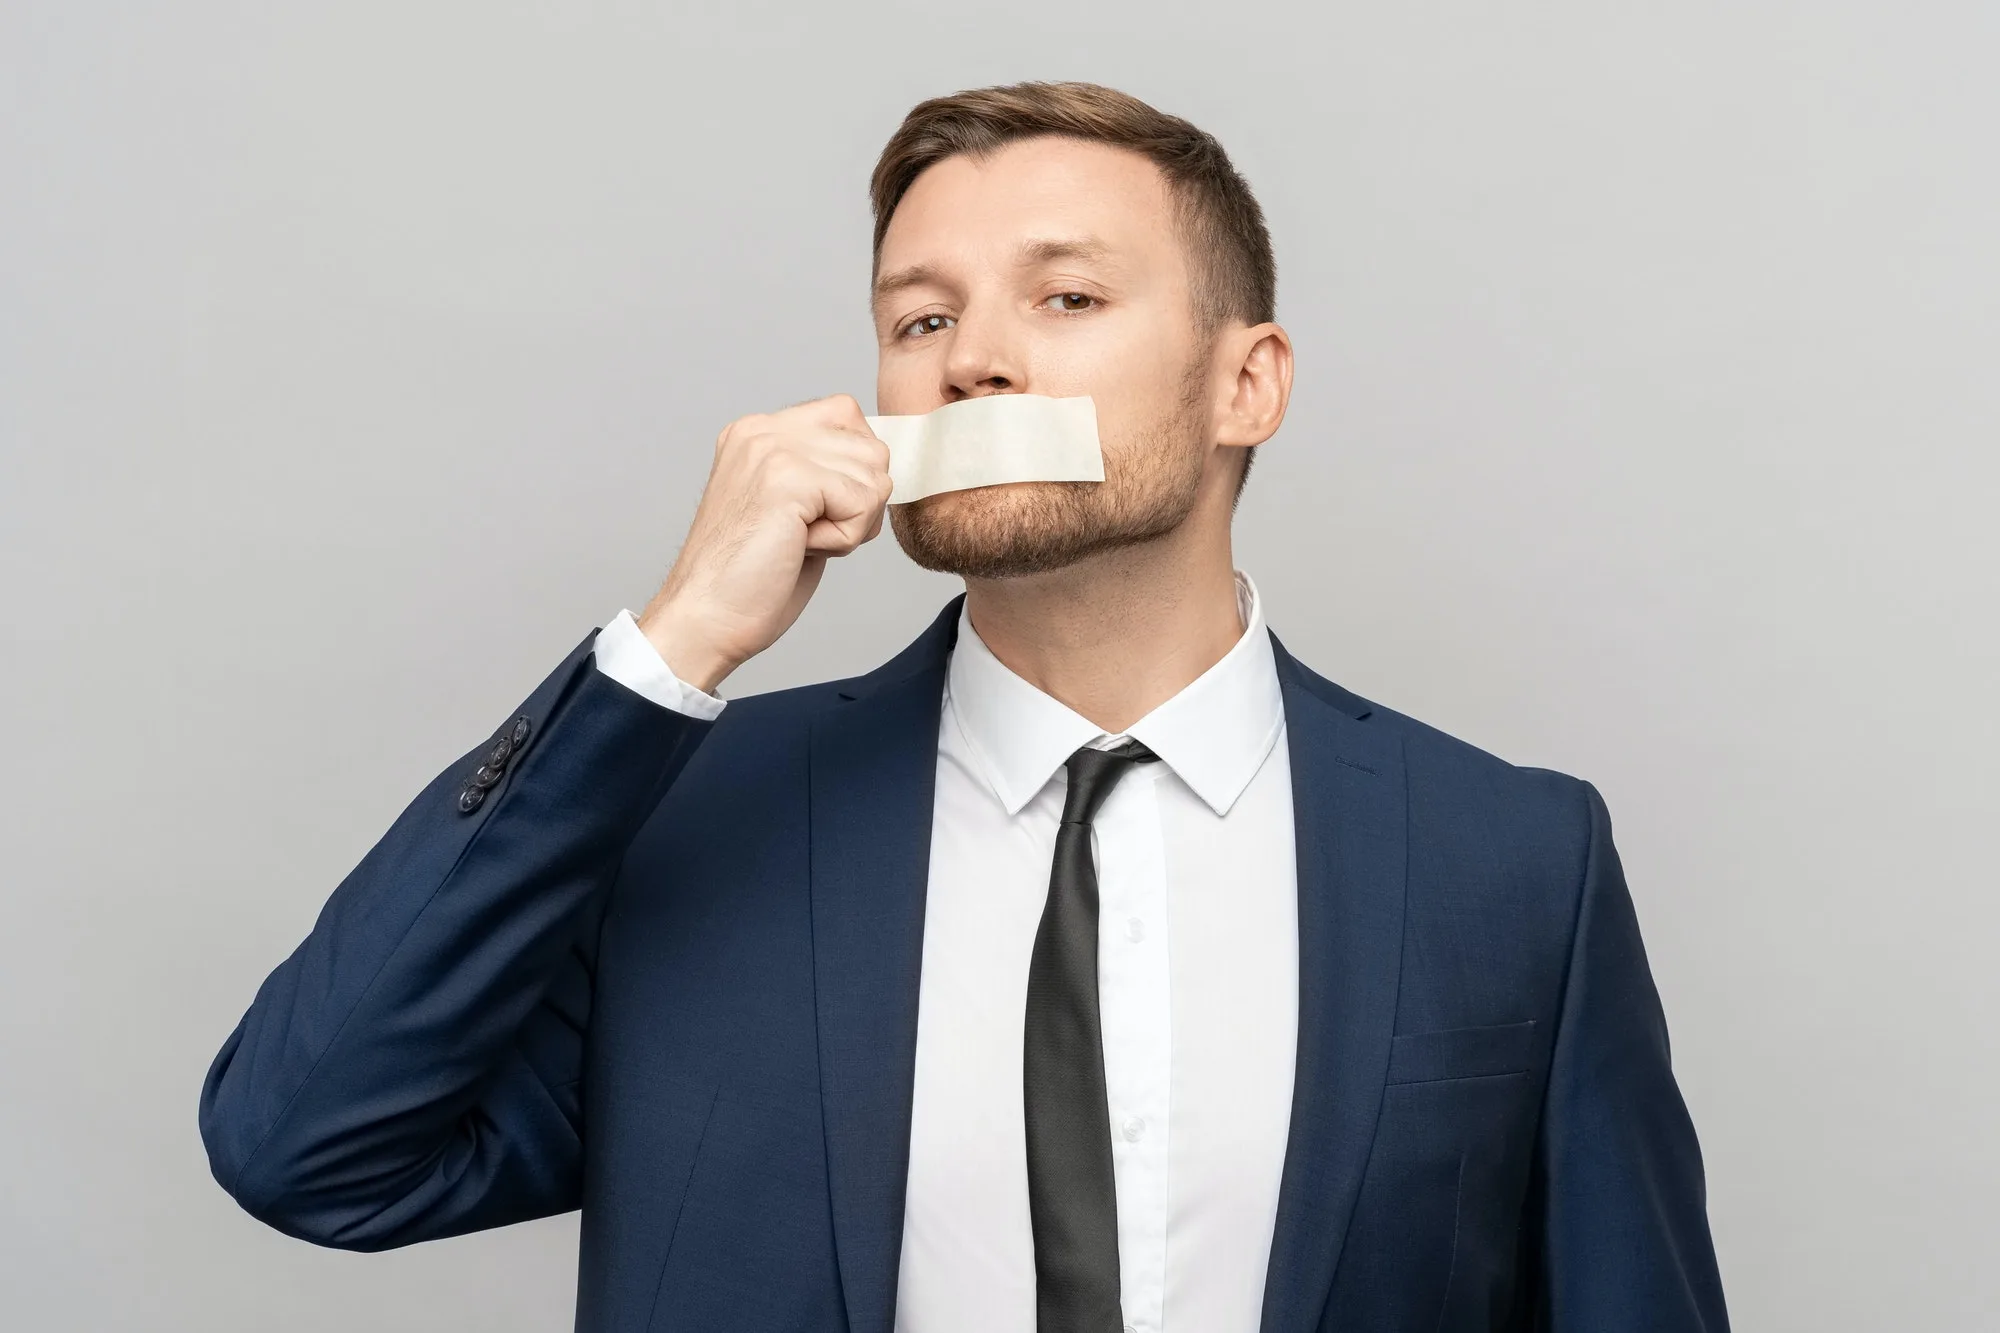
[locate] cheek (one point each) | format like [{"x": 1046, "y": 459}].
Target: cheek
[
  {"x": 1133, "y": 373},
  {"x": 1132, "y": 411},
  {"x": 904, "y": 385}
]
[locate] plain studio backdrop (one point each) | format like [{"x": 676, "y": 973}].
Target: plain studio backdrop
[{"x": 356, "y": 361}]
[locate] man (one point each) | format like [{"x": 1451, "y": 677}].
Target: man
[{"x": 1090, "y": 965}]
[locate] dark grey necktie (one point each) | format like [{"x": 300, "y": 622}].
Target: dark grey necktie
[{"x": 1071, "y": 1196}]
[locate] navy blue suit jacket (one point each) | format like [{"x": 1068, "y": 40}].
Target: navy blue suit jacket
[{"x": 666, "y": 971}]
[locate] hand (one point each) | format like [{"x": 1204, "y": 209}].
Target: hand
[{"x": 786, "y": 491}]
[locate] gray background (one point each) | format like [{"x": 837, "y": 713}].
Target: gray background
[{"x": 354, "y": 364}]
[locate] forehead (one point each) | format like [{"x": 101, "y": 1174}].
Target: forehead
[{"x": 968, "y": 208}]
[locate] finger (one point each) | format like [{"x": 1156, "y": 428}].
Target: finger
[
  {"x": 867, "y": 468},
  {"x": 849, "y": 507},
  {"x": 825, "y": 536},
  {"x": 852, "y": 451},
  {"x": 825, "y": 539},
  {"x": 834, "y": 409}
]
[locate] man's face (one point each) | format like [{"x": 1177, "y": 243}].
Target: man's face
[{"x": 1052, "y": 267}]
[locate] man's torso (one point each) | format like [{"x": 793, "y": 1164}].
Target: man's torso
[{"x": 752, "y": 1058}]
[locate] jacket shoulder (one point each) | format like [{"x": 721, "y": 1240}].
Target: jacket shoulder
[
  {"x": 1446, "y": 754},
  {"x": 1498, "y": 857},
  {"x": 1540, "y": 813}
]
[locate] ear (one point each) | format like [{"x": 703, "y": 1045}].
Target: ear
[{"x": 1258, "y": 362}]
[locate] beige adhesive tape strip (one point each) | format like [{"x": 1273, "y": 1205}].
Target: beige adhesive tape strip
[{"x": 991, "y": 440}]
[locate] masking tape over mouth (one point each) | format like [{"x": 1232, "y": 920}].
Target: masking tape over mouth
[{"x": 989, "y": 441}]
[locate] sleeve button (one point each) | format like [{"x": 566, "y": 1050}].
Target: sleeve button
[
  {"x": 518, "y": 736},
  {"x": 469, "y": 799}
]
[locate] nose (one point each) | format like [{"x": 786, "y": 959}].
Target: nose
[{"x": 982, "y": 359}]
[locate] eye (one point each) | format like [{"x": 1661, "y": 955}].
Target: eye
[
  {"x": 1070, "y": 301},
  {"x": 924, "y": 324}
]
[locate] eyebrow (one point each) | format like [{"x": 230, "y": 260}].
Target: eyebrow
[
  {"x": 1087, "y": 249},
  {"x": 916, "y": 275},
  {"x": 1083, "y": 249}
]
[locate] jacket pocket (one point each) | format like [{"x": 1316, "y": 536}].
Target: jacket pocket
[{"x": 1481, "y": 1052}]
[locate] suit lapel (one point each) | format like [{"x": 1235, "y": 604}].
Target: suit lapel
[
  {"x": 873, "y": 773},
  {"x": 872, "y": 782},
  {"x": 1349, "y": 809}
]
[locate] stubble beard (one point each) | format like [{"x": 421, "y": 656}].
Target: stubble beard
[{"x": 1149, "y": 489}]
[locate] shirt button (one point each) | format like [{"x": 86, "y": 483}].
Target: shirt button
[
  {"x": 1133, "y": 1128},
  {"x": 1135, "y": 930}
]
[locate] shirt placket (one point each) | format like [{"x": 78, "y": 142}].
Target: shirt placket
[{"x": 1135, "y": 1004}]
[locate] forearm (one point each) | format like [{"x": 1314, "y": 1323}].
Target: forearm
[{"x": 350, "y": 1084}]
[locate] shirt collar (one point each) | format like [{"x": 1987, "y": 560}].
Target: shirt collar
[{"x": 1214, "y": 734}]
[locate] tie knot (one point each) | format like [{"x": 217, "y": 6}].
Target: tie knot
[{"x": 1092, "y": 775}]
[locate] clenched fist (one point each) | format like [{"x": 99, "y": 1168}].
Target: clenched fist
[{"x": 786, "y": 491}]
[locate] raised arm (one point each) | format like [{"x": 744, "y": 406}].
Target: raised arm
[{"x": 411, "y": 1071}]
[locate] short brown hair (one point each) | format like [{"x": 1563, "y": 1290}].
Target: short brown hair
[{"x": 1231, "y": 270}]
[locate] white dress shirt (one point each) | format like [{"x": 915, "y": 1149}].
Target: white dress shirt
[{"x": 1197, "y": 984}]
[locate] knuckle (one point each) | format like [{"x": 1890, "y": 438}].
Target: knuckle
[
  {"x": 739, "y": 430},
  {"x": 831, "y": 538}
]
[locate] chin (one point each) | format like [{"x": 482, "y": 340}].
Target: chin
[{"x": 1024, "y": 528}]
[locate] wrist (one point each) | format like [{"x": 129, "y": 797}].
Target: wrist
[{"x": 690, "y": 654}]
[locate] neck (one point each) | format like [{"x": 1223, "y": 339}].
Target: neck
[{"x": 1115, "y": 636}]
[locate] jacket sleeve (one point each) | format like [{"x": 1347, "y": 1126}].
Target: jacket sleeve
[
  {"x": 1623, "y": 1241},
  {"x": 412, "y": 1070}
]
